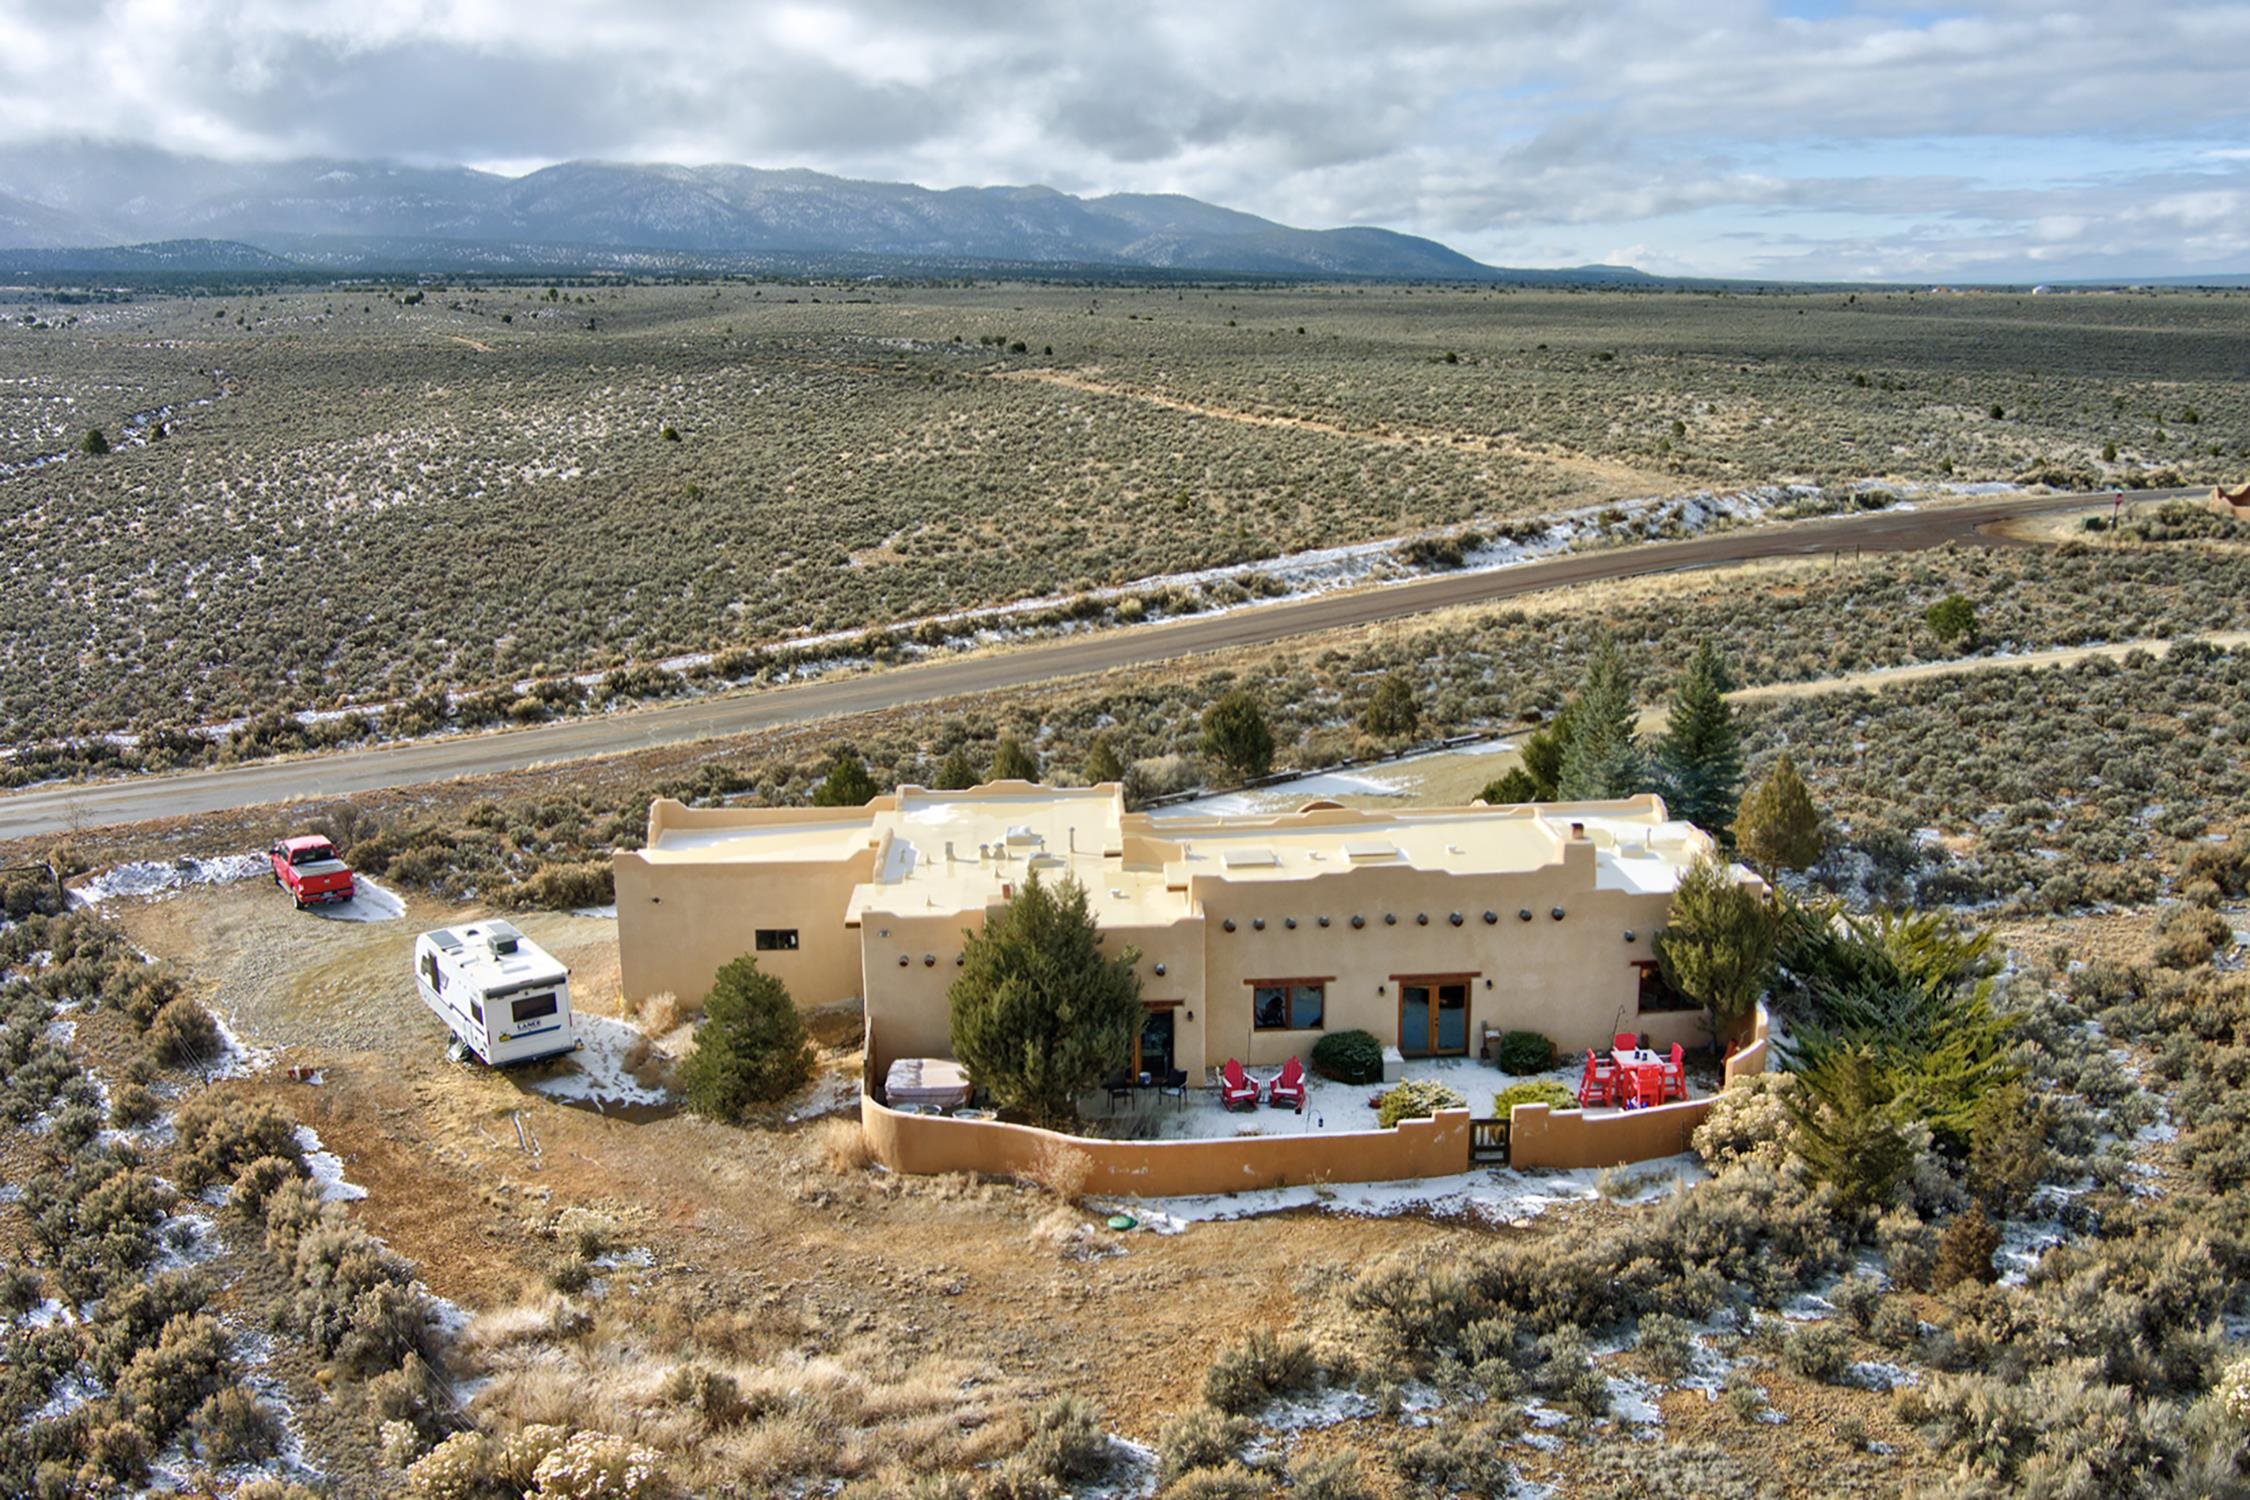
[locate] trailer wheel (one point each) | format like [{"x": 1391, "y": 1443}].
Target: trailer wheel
[{"x": 456, "y": 1051}]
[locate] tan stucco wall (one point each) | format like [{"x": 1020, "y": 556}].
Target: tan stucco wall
[
  {"x": 1435, "y": 1147},
  {"x": 1572, "y": 979}
]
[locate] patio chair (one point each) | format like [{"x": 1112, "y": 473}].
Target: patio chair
[
  {"x": 1675, "y": 1073},
  {"x": 1120, "y": 1086},
  {"x": 1598, "y": 1083},
  {"x": 1236, "y": 1091},
  {"x": 1174, "y": 1083},
  {"x": 1648, "y": 1085},
  {"x": 1289, "y": 1088},
  {"x": 1625, "y": 1041}
]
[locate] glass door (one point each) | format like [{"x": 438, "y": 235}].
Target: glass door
[
  {"x": 1433, "y": 1017},
  {"x": 1154, "y": 1047},
  {"x": 1413, "y": 1019}
]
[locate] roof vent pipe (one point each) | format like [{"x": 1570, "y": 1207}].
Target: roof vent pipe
[
  {"x": 1577, "y": 830},
  {"x": 949, "y": 851}
]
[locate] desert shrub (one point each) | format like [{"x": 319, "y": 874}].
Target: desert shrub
[
  {"x": 458, "y": 1468},
  {"x": 1459, "y": 1456},
  {"x": 183, "y": 1034},
  {"x": 1521, "y": 1052},
  {"x": 1965, "y": 1250},
  {"x": 1666, "y": 1344},
  {"x": 1261, "y": 1367},
  {"x": 164, "y": 1384},
  {"x": 258, "y": 1181},
  {"x": 1545, "y": 1091},
  {"x": 233, "y": 1427},
  {"x": 1416, "y": 1099},
  {"x": 1348, "y": 1057},
  {"x": 1228, "y": 1481},
  {"x": 1856, "y": 1299},
  {"x": 566, "y": 886},
  {"x": 1909, "y": 1247},
  {"x": 1064, "y": 1440},
  {"x": 219, "y": 1134},
  {"x": 2190, "y": 935},
  {"x": 131, "y": 1106},
  {"x": 597, "y": 1466},
  {"x": 1817, "y": 1351},
  {"x": 2059, "y": 1431},
  {"x": 1334, "y": 1476},
  {"x": 751, "y": 1048},
  {"x": 134, "y": 1316},
  {"x": 843, "y": 1146},
  {"x": 1198, "y": 1438},
  {"x": 293, "y": 1210},
  {"x": 1747, "y": 1123},
  {"x": 356, "y": 1302}
]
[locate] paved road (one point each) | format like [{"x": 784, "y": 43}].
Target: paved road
[{"x": 53, "y": 809}]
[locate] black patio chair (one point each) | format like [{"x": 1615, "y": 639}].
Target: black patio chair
[
  {"x": 1120, "y": 1086},
  {"x": 1175, "y": 1084}
]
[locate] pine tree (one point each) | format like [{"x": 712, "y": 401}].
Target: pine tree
[
  {"x": 1846, "y": 1129},
  {"x": 750, "y": 1049},
  {"x": 1235, "y": 735},
  {"x": 1717, "y": 944},
  {"x": 1544, "y": 751},
  {"x": 1603, "y": 759},
  {"x": 847, "y": 783},
  {"x": 1040, "y": 1013},
  {"x": 1778, "y": 828},
  {"x": 1012, "y": 762},
  {"x": 1102, "y": 761},
  {"x": 1392, "y": 712},
  {"x": 958, "y": 773},
  {"x": 1515, "y": 786},
  {"x": 95, "y": 443},
  {"x": 1701, "y": 752}
]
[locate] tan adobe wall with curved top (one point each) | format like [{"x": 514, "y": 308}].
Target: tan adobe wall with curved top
[
  {"x": 1540, "y": 1136},
  {"x": 1436, "y": 1147}
]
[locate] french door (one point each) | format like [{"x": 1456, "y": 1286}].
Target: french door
[{"x": 1433, "y": 1017}]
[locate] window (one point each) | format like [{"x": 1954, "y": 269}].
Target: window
[
  {"x": 533, "y": 1007},
  {"x": 1288, "y": 1004},
  {"x": 777, "y": 940},
  {"x": 1656, "y": 994}
]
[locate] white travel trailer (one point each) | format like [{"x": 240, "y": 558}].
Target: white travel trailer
[{"x": 505, "y": 997}]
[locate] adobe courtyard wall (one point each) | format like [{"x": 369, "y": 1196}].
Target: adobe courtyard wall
[{"x": 1436, "y": 1147}]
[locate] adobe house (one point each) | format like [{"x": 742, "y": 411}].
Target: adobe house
[
  {"x": 1428, "y": 927},
  {"x": 2233, "y": 504}
]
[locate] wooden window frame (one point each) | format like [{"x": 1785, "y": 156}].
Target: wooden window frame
[{"x": 1292, "y": 983}]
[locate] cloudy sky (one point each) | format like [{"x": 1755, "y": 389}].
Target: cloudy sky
[{"x": 1812, "y": 138}]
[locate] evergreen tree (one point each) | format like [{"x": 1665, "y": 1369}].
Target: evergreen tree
[
  {"x": 1846, "y": 1129},
  {"x": 750, "y": 1049},
  {"x": 1778, "y": 828},
  {"x": 94, "y": 442},
  {"x": 958, "y": 773},
  {"x": 847, "y": 783},
  {"x": 1515, "y": 786},
  {"x": 1543, "y": 754},
  {"x": 1700, "y": 755},
  {"x": 1604, "y": 758},
  {"x": 1235, "y": 735},
  {"x": 1012, "y": 762},
  {"x": 1040, "y": 1013},
  {"x": 1392, "y": 712},
  {"x": 1952, "y": 619},
  {"x": 1103, "y": 763},
  {"x": 1717, "y": 944}
]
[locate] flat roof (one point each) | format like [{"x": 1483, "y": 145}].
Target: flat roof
[{"x": 938, "y": 852}]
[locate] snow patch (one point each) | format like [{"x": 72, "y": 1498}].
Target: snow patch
[
  {"x": 327, "y": 1169},
  {"x": 371, "y": 902},
  {"x": 597, "y": 1073},
  {"x": 1499, "y": 1196},
  {"x": 146, "y": 878}
]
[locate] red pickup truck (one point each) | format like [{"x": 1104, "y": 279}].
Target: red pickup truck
[{"x": 307, "y": 867}]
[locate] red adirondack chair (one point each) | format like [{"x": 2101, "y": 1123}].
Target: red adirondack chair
[
  {"x": 1675, "y": 1073},
  {"x": 1598, "y": 1083},
  {"x": 1289, "y": 1088},
  {"x": 1236, "y": 1091}
]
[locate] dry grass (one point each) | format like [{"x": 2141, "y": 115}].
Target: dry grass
[
  {"x": 1062, "y": 1170},
  {"x": 843, "y": 1146}
]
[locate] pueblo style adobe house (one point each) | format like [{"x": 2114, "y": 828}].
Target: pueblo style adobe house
[{"x": 1431, "y": 928}]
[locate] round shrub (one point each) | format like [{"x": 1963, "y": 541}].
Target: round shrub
[
  {"x": 1544, "y": 1091},
  {"x": 1521, "y": 1052},
  {"x": 1349, "y": 1057},
  {"x": 183, "y": 1033},
  {"x": 1417, "y": 1099}
]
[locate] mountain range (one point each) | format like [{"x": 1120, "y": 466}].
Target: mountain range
[{"x": 94, "y": 206}]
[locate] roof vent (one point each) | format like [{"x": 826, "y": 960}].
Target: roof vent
[
  {"x": 1248, "y": 859},
  {"x": 1361, "y": 851}
]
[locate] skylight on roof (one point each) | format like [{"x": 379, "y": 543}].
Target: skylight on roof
[
  {"x": 1245, "y": 859},
  {"x": 1363, "y": 850}
]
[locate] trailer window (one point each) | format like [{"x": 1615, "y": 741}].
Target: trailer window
[
  {"x": 777, "y": 940},
  {"x": 532, "y": 1007}
]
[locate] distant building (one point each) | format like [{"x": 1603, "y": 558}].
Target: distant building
[
  {"x": 1256, "y": 935},
  {"x": 2233, "y": 504}
]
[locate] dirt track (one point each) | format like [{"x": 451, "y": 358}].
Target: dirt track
[{"x": 55, "y": 809}]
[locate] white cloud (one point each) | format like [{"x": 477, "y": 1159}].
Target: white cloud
[{"x": 1509, "y": 129}]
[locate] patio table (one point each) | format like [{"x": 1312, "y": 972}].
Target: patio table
[{"x": 1638, "y": 1057}]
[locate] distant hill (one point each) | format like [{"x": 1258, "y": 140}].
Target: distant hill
[
  {"x": 195, "y": 256},
  {"x": 65, "y": 197}
]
